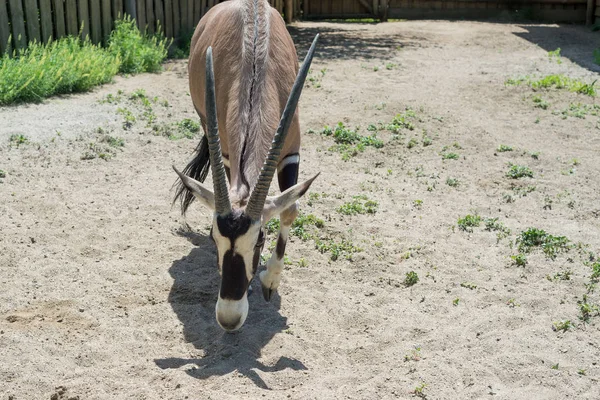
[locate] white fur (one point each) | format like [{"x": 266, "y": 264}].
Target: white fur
[{"x": 232, "y": 310}]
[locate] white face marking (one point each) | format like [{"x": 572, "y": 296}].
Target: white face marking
[
  {"x": 244, "y": 246},
  {"x": 231, "y": 314},
  {"x": 223, "y": 243}
]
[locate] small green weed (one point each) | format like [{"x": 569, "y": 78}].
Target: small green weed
[
  {"x": 18, "y": 139},
  {"x": 469, "y": 222},
  {"x": 402, "y": 121},
  {"x": 359, "y": 205},
  {"x": 452, "y": 182},
  {"x": 555, "y": 56},
  {"x": 450, "y": 156},
  {"x": 519, "y": 171},
  {"x": 420, "y": 390},
  {"x": 587, "y": 310},
  {"x": 2, "y": 174},
  {"x": 411, "y": 278},
  {"x": 551, "y": 245},
  {"x": 519, "y": 259},
  {"x": 504, "y": 148},
  {"x": 469, "y": 285},
  {"x": 562, "y": 325}
]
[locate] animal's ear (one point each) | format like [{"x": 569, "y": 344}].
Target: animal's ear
[
  {"x": 203, "y": 194},
  {"x": 276, "y": 204}
]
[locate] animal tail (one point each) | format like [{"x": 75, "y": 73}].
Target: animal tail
[{"x": 196, "y": 169}]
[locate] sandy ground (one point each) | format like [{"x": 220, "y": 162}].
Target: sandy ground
[{"x": 106, "y": 294}]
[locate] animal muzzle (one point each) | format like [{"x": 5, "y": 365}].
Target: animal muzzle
[{"x": 231, "y": 314}]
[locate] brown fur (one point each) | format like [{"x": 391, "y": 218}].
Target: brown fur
[{"x": 254, "y": 74}]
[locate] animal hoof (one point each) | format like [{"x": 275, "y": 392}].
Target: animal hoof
[{"x": 267, "y": 293}]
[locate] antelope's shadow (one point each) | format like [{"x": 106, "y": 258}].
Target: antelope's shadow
[{"x": 193, "y": 297}]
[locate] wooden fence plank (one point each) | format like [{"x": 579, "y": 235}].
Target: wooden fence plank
[
  {"x": 46, "y": 20},
  {"x": 71, "y": 9},
  {"x": 18, "y": 24},
  {"x": 106, "y": 20},
  {"x": 141, "y": 15},
  {"x": 190, "y": 14},
  {"x": 83, "y": 18},
  {"x": 159, "y": 11},
  {"x": 95, "y": 21},
  {"x": 183, "y": 14},
  {"x": 59, "y": 19},
  {"x": 149, "y": 16},
  {"x": 203, "y": 7},
  {"x": 117, "y": 9},
  {"x": 176, "y": 19},
  {"x": 197, "y": 11},
  {"x": 33, "y": 23},
  {"x": 4, "y": 29},
  {"x": 169, "y": 18}
]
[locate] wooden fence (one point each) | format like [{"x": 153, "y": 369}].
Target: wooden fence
[
  {"x": 24, "y": 21},
  {"x": 544, "y": 10}
]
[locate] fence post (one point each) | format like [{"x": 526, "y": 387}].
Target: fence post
[
  {"x": 131, "y": 8},
  {"x": 589, "y": 18},
  {"x": 288, "y": 11},
  {"x": 4, "y": 31}
]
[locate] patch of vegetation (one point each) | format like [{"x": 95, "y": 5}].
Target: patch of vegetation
[
  {"x": 556, "y": 81},
  {"x": 137, "y": 53},
  {"x": 18, "y": 139},
  {"x": 519, "y": 171},
  {"x": 493, "y": 225},
  {"x": 315, "y": 80},
  {"x": 587, "y": 310},
  {"x": 450, "y": 156},
  {"x": 469, "y": 222},
  {"x": 2, "y": 174},
  {"x": 336, "y": 249},
  {"x": 70, "y": 65},
  {"x": 579, "y": 110},
  {"x": 114, "y": 141},
  {"x": 452, "y": 182},
  {"x": 402, "y": 121},
  {"x": 469, "y": 285},
  {"x": 555, "y": 56},
  {"x": 96, "y": 150},
  {"x": 418, "y": 204},
  {"x": 551, "y": 245},
  {"x": 302, "y": 223},
  {"x": 504, "y": 148},
  {"x": 412, "y": 143},
  {"x": 350, "y": 142},
  {"x": 359, "y": 205},
  {"x": 186, "y": 128},
  {"x": 562, "y": 325},
  {"x": 519, "y": 259},
  {"x": 420, "y": 390},
  {"x": 540, "y": 103},
  {"x": 411, "y": 279},
  {"x": 128, "y": 117}
]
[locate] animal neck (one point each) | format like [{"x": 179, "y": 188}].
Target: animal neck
[{"x": 256, "y": 122}]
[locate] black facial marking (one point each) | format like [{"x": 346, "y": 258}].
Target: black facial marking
[
  {"x": 233, "y": 225},
  {"x": 288, "y": 176},
  {"x": 235, "y": 282},
  {"x": 280, "y": 249}
]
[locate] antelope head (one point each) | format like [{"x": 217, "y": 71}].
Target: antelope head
[{"x": 239, "y": 232}]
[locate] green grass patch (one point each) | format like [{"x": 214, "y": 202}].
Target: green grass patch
[
  {"x": 538, "y": 238},
  {"x": 556, "y": 81},
  {"x": 504, "y": 148},
  {"x": 359, "y": 205},
  {"x": 519, "y": 171},
  {"x": 469, "y": 222},
  {"x": 349, "y": 142},
  {"x": 70, "y": 65}
]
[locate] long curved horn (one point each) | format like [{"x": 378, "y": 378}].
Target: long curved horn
[
  {"x": 259, "y": 194},
  {"x": 222, "y": 202}
]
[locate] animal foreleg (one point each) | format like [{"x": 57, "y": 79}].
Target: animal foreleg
[{"x": 287, "y": 177}]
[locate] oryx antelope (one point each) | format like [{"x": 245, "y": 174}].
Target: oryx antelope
[{"x": 240, "y": 102}]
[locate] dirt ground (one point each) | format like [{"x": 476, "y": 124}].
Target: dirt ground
[{"x": 106, "y": 293}]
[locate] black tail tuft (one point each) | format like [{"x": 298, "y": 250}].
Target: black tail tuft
[{"x": 197, "y": 169}]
